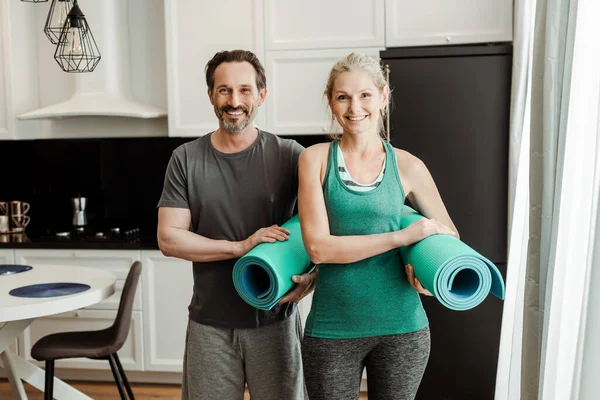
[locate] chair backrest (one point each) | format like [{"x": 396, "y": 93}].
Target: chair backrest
[{"x": 123, "y": 321}]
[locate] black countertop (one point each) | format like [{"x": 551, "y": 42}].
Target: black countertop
[{"x": 145, "y": 240}]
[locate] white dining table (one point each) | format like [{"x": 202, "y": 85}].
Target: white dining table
[{"x": 17, "y": 313}]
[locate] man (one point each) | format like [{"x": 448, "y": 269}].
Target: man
[{"x": 224, "y": 193}]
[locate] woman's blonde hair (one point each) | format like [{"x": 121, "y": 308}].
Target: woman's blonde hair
[{"x": 353, "y": 62}]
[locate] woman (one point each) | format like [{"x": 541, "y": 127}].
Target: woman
[{"x": 365, "y": 312}]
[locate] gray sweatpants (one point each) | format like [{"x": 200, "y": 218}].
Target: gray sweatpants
[
  {"x": 395, "y": 365},
  {"x": 219, "y": 361}
]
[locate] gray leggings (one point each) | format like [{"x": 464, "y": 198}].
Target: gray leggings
[{"x": 395, "y": 365}]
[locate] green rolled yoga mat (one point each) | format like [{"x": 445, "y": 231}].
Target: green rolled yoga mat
[
  {"x": 264, "y": 275},
  {"x": 458, "y": 276}
]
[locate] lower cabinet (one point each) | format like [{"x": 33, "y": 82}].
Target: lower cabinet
[
  {"x": 167, "y": 291},
  {"x": 7, "y": 257}
]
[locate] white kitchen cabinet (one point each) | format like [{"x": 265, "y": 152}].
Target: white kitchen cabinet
[
  {"x": 297, "y": 105},
  {"x": 130, "y": 355},
  {"x": 7, "y": 256},
  {"x": 317, "y": 24},
  {"x": 18, "y": 77},
  {"x": 97, "y": 316},
  {"x": 299, "y": 42},
  {"x": 4, "y": 72},
  {"x": 168, "y": 286},
  {"x": 433, "y": 22},
  {"x": 195, "y": 30}
]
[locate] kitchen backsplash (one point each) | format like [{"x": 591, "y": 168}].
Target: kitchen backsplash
[{"x": 122, "y": 178}]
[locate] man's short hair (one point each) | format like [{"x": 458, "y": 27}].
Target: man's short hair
[{"x": 235, "y": 56}]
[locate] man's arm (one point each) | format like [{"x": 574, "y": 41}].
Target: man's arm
[{"x": 176, "y": 240}]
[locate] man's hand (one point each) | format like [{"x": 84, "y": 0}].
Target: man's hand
[
  {"x": 410, "y": 274},
  {"x": 305, "y": 284}
]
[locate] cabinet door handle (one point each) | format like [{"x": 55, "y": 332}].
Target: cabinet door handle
[{"x": 387, "y": 116}]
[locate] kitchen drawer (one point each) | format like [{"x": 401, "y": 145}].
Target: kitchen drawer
[{"x": 112, "y": 303}]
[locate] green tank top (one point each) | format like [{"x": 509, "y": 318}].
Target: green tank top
[{"x": 371, "y": 297}]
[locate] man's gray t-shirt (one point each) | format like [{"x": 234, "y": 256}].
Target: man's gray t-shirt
[{"x": 230, "y": 197}]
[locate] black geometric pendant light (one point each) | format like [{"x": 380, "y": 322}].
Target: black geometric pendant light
[
  {"x": 59, "y": 9},
  {"x": 76, "y": 50}
]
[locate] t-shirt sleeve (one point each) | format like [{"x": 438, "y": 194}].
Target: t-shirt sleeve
[{"x": 175, "y": 193}]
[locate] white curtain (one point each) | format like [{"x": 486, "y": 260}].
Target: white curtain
[
  {"x": 508, "y": 381},
  {"x": 590, "y": 351},
  {"x": 553, "y": 198}
]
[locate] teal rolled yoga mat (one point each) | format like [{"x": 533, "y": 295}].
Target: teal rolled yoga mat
[
  {"x": 264, "y": 275},
  {"x": 458, "y": 276}
]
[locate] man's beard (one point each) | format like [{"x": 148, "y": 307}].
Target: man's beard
[{"x": 235, "y": 126}]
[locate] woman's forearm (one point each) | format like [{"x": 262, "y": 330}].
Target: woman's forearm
[{"x": 348, "y": 249}]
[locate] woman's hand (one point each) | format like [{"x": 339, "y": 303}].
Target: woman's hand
[
  {"x": 425, "y": 227},
  {"x": 410, "y": 274}
]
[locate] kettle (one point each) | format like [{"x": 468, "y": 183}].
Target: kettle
[{"x": 79, "y": 215}]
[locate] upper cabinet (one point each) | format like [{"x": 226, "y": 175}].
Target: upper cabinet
[
  {"x": 434, "y": 22},
  {"x": 298, "y": 43},
  {"x": 318, "y": 24},
  {"x": 195, "y": 31},
  {"x": 295, "y": 104},
  {"x": 303, "y": 40},
  {"x": 18, "y": 81},
  {"x": 4, "y": 131}
]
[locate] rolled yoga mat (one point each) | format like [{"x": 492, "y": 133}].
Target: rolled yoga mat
[
  {"x": 264, "y": 275},
  {"x": 458, "y": 276}
]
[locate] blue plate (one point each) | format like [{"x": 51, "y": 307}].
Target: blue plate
[
  {"x": 49, "y": 289},
  {"x": 10, "y": 269}
]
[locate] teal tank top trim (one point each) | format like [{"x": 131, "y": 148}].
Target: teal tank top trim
[{"x": 371, "y": 297}]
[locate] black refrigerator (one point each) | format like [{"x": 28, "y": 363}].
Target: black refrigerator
[{"x": 451, "y": 107}]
